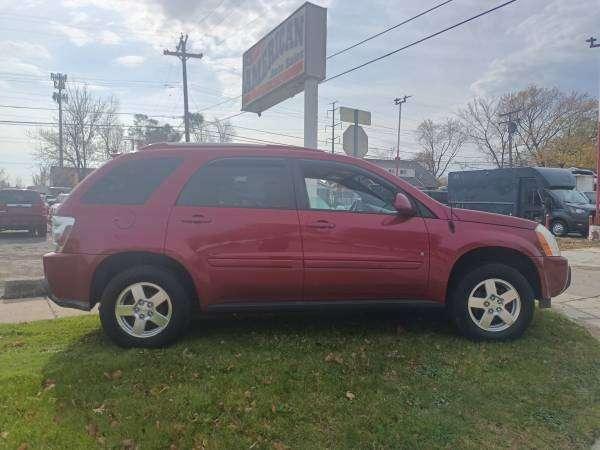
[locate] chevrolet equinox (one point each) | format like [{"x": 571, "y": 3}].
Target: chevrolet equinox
[{"x": 156, "y": 235}]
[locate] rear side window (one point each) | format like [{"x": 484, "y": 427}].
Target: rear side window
[
  {"x": 20, "y": 197},
  {"x": 132, "y": 182},
  {"x": 240, "y": 183}
]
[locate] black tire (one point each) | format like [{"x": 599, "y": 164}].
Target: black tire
[
  {"x": 561, "y": 228},
  {"x": 459, "y": 298},
  {"x": 165, "y": 279}
]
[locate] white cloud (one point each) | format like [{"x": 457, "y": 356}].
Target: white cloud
[
  {"x": 77, "y": 36},
  {"x": 130, "y": 60},
  {"x": 23, "y": 49},
  {"x": 552, "y": 44},
  {"x": 109, "y": 38}
]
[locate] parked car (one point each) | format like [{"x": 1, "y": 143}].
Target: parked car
[
  {"x": 528, "y": 192},
  {"x": 23, "y": 209},
  {"x": 591, "y": 196},
  {"x": 153, "y": 236},
  {"x": 56, "y": 203},
  {"x": 441, "y": 195}
]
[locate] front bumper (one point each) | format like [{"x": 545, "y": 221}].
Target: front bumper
[
  {"x": 555, "y": 277},
  {"x": 69, "y": 277}
]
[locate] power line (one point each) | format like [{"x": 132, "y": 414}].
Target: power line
[
  {"x": 339, "y": 52},
  {"x": 456, "y": 25}
]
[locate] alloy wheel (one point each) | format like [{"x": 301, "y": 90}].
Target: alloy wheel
[
  {"x": 494, "y": 305},
  {"x": 143, "y": 310}
]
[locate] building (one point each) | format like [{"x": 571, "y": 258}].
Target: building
[{"x": 411, "y": 171}]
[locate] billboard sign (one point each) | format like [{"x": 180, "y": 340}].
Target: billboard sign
[{"x": 276, "y": 67}]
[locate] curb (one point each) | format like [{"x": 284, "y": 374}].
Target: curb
[{"x": 25, "y": 288}]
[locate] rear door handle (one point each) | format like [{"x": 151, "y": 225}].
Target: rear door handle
[
  {"x": 321, "y": 224},
  {"x": 197, "y": 218}
]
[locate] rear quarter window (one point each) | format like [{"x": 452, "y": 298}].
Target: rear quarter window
[{"x": 131, "y": 182}]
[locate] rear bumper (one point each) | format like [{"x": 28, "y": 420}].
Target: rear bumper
[
  {"x": 555, "y": 277},
  {"x": 69, "y": 278}
]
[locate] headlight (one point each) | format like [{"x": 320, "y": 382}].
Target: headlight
[
  {"x": 547, "y": 241},
  {"x": 575, "y": 210}
]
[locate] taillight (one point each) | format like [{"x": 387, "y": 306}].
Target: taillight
[{"x": 61, "y": 228}]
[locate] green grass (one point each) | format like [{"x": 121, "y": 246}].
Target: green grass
[{"x": 283, "y": 382}]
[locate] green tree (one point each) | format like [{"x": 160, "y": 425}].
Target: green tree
[{"x": 146, "y": 130}]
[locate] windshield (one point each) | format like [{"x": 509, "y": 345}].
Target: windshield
[{"x": 570, "y": 196}]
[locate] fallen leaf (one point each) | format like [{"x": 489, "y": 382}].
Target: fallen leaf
[
  {"x": 273, "y": 408},
  {"x": 114, "y": 423},
  {"x": 173, "y": 447},
  {"x": 101, "y": 440},
  {"x": 248, "y": 394},
  {"x": 92, "y": 429},
  {"x": 350, "y": 395},
  {"x": 23, "y": 446},
  {"x": 187, "y": 353},
  {"x": 114, "y": 375},
  {"x": 4, "y": 435},
  {"x": 333, "y": 357},
  {"x": 100, "y": 409},
  {"x": 49, "y": 384},
  {"x": 195, "y": 375},
  {"x": 279, "y": 446}
]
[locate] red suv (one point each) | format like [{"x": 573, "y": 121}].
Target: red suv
[
  {"x": 23, "y": 209},
  {"x": 154, "y": 235}
]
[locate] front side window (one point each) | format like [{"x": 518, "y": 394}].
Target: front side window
[
  {"x": 240, "y": 183},
  {"x": 131, "y": 182},
  {"x": 338, "y": 187}
]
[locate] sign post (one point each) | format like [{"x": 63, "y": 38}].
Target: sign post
[
  {"x": 311, "y": 112},
  {"x": 359, "y": 145}
]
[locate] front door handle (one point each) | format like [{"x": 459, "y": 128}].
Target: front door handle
[
  {"x": 321, "y": 224},
  {"x": 197, "y": 218}
]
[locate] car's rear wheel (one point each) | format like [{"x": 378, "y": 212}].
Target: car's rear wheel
[
  {"x": 492, "y": 302},
  {"x": 144, "y": 306}
]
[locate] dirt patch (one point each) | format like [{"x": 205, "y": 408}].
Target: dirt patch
[{"x": 570, "y": 243}]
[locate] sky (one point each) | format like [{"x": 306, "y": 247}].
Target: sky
[{"x": 114, "y": 47}]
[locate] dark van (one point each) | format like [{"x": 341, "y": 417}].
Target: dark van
[
  {"x": 527, "y": 192},
  {"x": 23, "y": 209}
]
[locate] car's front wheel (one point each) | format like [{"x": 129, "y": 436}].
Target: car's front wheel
[
  {"x": 144, "y": 306},
  {"x": 492, "y": 302}
]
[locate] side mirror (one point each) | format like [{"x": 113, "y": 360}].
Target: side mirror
[{"x": 403, "y": 205}]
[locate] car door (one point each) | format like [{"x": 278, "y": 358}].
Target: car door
[
  {"x": 355, "y": 244},
  {"x": 236, "y": 225}
]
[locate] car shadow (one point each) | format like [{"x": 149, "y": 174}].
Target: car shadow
[{"x": 92, "y": 373}]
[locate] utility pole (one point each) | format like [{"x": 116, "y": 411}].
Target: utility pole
[
  {"x": 59, "y": 80},
  {"x": 593, "y": 44},
  {"x": 399, "y": 101},
  {"x": 511, "y": 126},
  {"x": 334, "y": 124},
  {"x": 182, "y": 54}
]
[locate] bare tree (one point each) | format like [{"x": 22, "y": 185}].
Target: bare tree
[
  {"x": 82, "y": 121},
  {"x": 42, "y": 177},
  {"x": 480, "y": 124},
  {"x": 441, "y": 143},
  {"x": 224, "y": 129},
  {"x": 110, "y": 132},
  {"x": 4, "y": 181},
  {"x": 220, "y": 131},
  {"x": 545, "y": 116}
]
